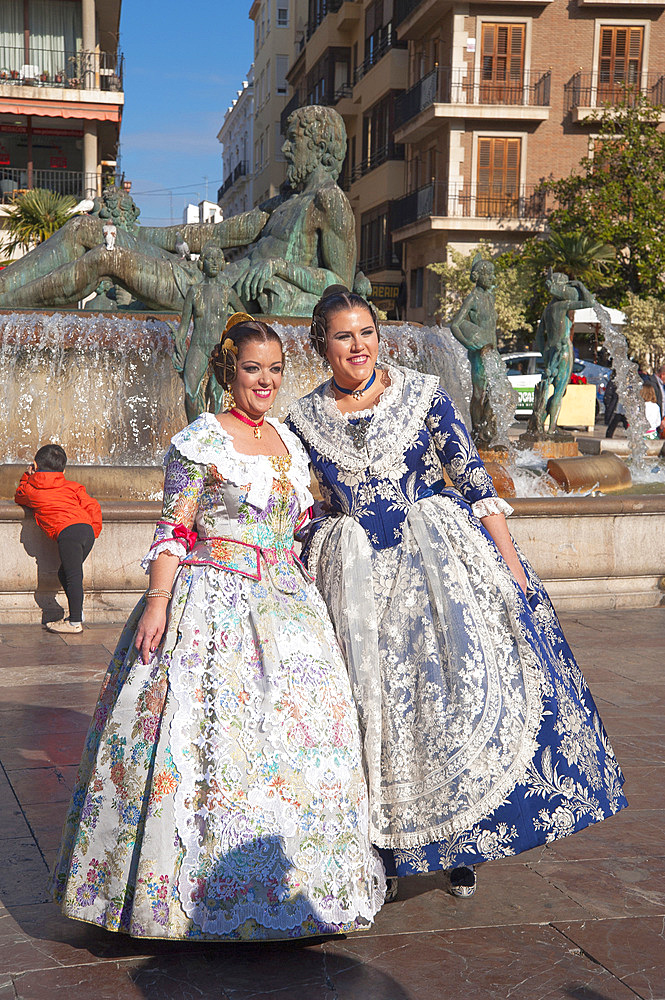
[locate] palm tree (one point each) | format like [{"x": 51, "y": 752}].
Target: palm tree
[
  {"x": 577, "y": 255},
  {"x": 34, "y": 216}
]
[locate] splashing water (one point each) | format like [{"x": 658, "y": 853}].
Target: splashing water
[
  {"x": 104, "y": 387},
  {"x": 628, "y": 384},
  {"x": 503, "y": 398}
]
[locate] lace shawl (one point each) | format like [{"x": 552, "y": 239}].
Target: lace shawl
[{"x": 403, "y": 408}]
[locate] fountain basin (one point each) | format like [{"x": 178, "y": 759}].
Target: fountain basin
[{"x": 592, "y": 553}]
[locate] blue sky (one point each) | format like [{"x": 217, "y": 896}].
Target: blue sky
[{"x": 184, "y": 63}]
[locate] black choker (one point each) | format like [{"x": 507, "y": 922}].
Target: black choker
[{"x": 356, "y": 393}]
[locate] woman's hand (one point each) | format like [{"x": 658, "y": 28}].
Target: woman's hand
[
  {"x": 151, "y": 627},
  {"x": 496, "y": 525}
]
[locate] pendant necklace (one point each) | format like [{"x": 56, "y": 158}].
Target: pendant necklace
[
  {"x": 356, "y": 393},
  {"x": 256, "y": 424}
]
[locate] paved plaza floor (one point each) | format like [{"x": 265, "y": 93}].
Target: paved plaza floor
[{"x": 583, "y": 919}]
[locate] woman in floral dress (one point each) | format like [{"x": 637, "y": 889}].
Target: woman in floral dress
[
  {"x": 221, "y": 792},
  {"x": 481, "y": 738}
]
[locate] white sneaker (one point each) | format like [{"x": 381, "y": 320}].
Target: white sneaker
[{"x": 64, "y": 626}]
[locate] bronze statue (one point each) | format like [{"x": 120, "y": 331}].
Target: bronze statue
[
  {"x": 207, "y": 306},
  {"x": 297, "y": 243},
  {"x": 554, "y": 341},
  {"x": 475, "y": 328}
]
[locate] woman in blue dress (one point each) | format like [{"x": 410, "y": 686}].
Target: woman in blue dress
[{"x": 481, "y": 738}]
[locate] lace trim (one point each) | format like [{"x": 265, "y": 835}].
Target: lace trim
[
  {"x": 384, "y": 399},
  {"x": 491, "y": 505},
  {"x": 200, "y": 442},
  {"x": 487, "y": 626},
  {"x": 198, "y": 723},
  {"x": 170, "y": 545},
  {"x": 401, "y": 417}
]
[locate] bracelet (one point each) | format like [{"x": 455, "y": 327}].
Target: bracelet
[{"x": 156, "y": 592}]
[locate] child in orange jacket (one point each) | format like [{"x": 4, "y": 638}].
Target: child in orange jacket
[{"x": 66, "y": 513}]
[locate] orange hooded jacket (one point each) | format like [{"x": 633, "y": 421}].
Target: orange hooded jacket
[{"x": 57, "y": 502}]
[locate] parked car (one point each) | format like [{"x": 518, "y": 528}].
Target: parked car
[{"x": 525, "y": 370}]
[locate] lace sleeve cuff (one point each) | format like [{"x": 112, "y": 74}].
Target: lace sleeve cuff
[
  {"x": 491, "y": 505},
  {"x": 173, "y": 546}
]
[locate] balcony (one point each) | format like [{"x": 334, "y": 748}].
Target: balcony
[
  {"x": 484, "y": 207},
  {"x": 15, "y": 180},
  {"x": 415, "y": 18},
  {"x": 319, "y": 11},
  {"x": 59, "y": 68},
  {"x": 240, "y": 170},
  {"x": 389, "y": 42},
  {"x": 388, "y": 152},
  {"x": 300, "y": 100},
  {"x": 452, "y": 92},
  {"x": 586, "y": 94}
]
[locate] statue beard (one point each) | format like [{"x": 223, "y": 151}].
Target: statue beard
[{"x": 297, "y": 175}]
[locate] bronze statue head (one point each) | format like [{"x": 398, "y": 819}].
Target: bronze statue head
[
  {"x": 314, "y": 136},
  {"x": 118, "y": 207},
  {"x": 482, "y": 271}
]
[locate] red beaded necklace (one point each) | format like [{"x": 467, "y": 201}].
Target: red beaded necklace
[{"x": 257, "y": 425}]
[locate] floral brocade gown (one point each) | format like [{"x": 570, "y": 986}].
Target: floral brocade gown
[
  {"x": 221, "y": 793},
  {"x": 481, "y": 738}
]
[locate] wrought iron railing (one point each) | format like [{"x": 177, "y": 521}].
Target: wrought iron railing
[
  {"x": 391, "y": 151},
  {"x": 319, "y": 11},
  {"x": 454, "y": 85},
  {"x": 598, "y": 90},
  {"x": 472, "y": 201},
  {"x": 301, "y": 99},
  {"x": 240, "y": 170},
  {"x": 60, "y": 68},
  {"x": 389, "y": 42},
  {"x": 14, "y": 180}
]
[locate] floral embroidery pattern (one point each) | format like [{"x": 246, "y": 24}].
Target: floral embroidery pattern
[
  {"x": 481, "y": 738},
  {"x": 221, "y": 792}
]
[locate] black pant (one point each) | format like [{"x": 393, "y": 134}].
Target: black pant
[
  {"x": 74, "y": 544},
  {"x": 615, "y": 420}
]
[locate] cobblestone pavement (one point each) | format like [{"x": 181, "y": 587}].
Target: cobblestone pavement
[{"x": 584, "y": 919}]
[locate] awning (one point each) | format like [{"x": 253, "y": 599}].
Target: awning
[
  {"x": 63, "y": 109},
  {"x": 588, "y": 316}
]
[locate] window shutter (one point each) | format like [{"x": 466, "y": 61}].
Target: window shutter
[
  {"x": 498, "y": 176},
  {"x": 502, "y": 63},
  {"x": 620, "y": 59}
]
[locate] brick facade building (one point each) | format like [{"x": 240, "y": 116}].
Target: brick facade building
[{"x": 499, "y": 97}]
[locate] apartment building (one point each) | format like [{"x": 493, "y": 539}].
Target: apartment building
[
  {"x": 61, "y": 95},
  {"x": 499, "y": 97},
  {"x": 277, "y": 23},
  {"x": 351, "y": 58},
  {"x": 237, "y": 138}
]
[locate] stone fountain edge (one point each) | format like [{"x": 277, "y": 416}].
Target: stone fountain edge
[{"x": 592, "y": 553}]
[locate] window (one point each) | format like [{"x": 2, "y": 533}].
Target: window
[
  {"x": 376, "y": 246},
  {"x": 502, "y": 64},
  {"x": 283, "y": 15},
  {"x": 281, "y": 69},
  {"x": 268, "y": 81},
  {"x": 416, "y": 287},
  {"x": 620, "y": 61},
  {"x": 498, "y": 177},
  {"x": 378, "y": 129},
  {"x": 279, "y": 155}
]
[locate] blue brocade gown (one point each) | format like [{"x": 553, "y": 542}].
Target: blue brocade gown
[{"x": 481, "y": 738}]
